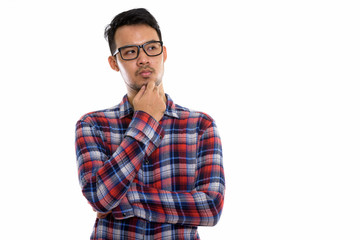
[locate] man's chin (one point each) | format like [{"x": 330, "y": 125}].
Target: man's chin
[
  {"x": 137, "y": 87},
  {"x": 157, "y": 82}
]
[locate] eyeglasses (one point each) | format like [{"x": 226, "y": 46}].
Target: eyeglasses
[{"x": 131, "y": 52}]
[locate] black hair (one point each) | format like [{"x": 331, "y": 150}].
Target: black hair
[{"x": 131, "y": 17}]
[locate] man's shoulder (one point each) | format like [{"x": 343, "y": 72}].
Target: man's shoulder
[
  {"x": 195, "y": 116},
  {"x": 98, "y": 115}
]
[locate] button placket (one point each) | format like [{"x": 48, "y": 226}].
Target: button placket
[{"x": 146, "y": 170}]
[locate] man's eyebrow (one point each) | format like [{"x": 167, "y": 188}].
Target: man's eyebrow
[{"x": 128, "y": 45}]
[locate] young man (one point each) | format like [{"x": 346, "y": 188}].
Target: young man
[{"x": 149, "y": 168}]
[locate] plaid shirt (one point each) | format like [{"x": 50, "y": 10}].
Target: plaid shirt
[{"x": 160, "y": 179}]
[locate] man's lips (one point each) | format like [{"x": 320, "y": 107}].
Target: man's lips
[{"x": 145, "y": 71}]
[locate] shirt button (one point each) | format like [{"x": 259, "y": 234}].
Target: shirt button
[
  {"x": 124, "y": 214},
  {"x": 146, "y": 161}
]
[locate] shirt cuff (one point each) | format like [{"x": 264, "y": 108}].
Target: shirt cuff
[{"x": 144, "y": 128}]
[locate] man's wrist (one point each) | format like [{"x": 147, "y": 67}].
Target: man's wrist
[{"x": 144, "y": 128}]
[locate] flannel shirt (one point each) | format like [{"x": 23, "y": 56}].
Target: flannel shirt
[{"x": 160, "y": 179}]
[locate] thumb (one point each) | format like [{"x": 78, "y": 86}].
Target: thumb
[
  {"x": 140, "y": 93},
  {"x": 142, "y": 90}
]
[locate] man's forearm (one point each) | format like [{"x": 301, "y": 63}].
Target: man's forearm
[
  {"x": 196, "y": 208},
  {"x": 105, "y": 179},
  {"x": 201, "y": 205}
]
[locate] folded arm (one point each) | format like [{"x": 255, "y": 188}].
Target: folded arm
[
  {"x": 200, "y": 206},
  {"x": 105, "y": 179}
]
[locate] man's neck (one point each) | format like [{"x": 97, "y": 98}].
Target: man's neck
[{"x": 131, "y": 94}]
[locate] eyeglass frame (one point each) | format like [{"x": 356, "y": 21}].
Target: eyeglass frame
[{"x": 138, "y": 52}]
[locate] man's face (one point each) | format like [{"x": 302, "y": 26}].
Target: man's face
[{"x": 140, "y": 71}]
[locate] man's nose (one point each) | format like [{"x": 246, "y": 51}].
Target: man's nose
[{"x": 143, "y": 58}]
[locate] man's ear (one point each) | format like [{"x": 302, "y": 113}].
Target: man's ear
[
  {"x": 113, "y": 63},
  {"x": 164, "y": 53}
]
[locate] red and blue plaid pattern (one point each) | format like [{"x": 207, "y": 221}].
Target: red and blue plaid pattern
[{"x": 160, "y": 179}]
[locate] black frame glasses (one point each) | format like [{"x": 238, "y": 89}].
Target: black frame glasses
[{"x": 143, "y": 46}]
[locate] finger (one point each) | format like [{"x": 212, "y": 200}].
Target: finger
[
  {"x": 103, "y": 215},
  {"x": 142, "y": 90},
  {"x": 150, "y": 86},
  {"x": 140, "y": 93}
]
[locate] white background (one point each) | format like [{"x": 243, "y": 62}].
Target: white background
[{"x": 281, "y": 79}]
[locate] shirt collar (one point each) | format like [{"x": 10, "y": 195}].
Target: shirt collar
[{"x": 126, "y": 109}]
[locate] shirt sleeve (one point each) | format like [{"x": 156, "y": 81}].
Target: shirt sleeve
[
  {"x": 105, "y": 178},
  {"x": 200, "y": 207}
]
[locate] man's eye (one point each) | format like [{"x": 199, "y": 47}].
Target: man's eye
[
  {"x": 130, "y": 52},
  {"x": 151, "y": 48}
]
